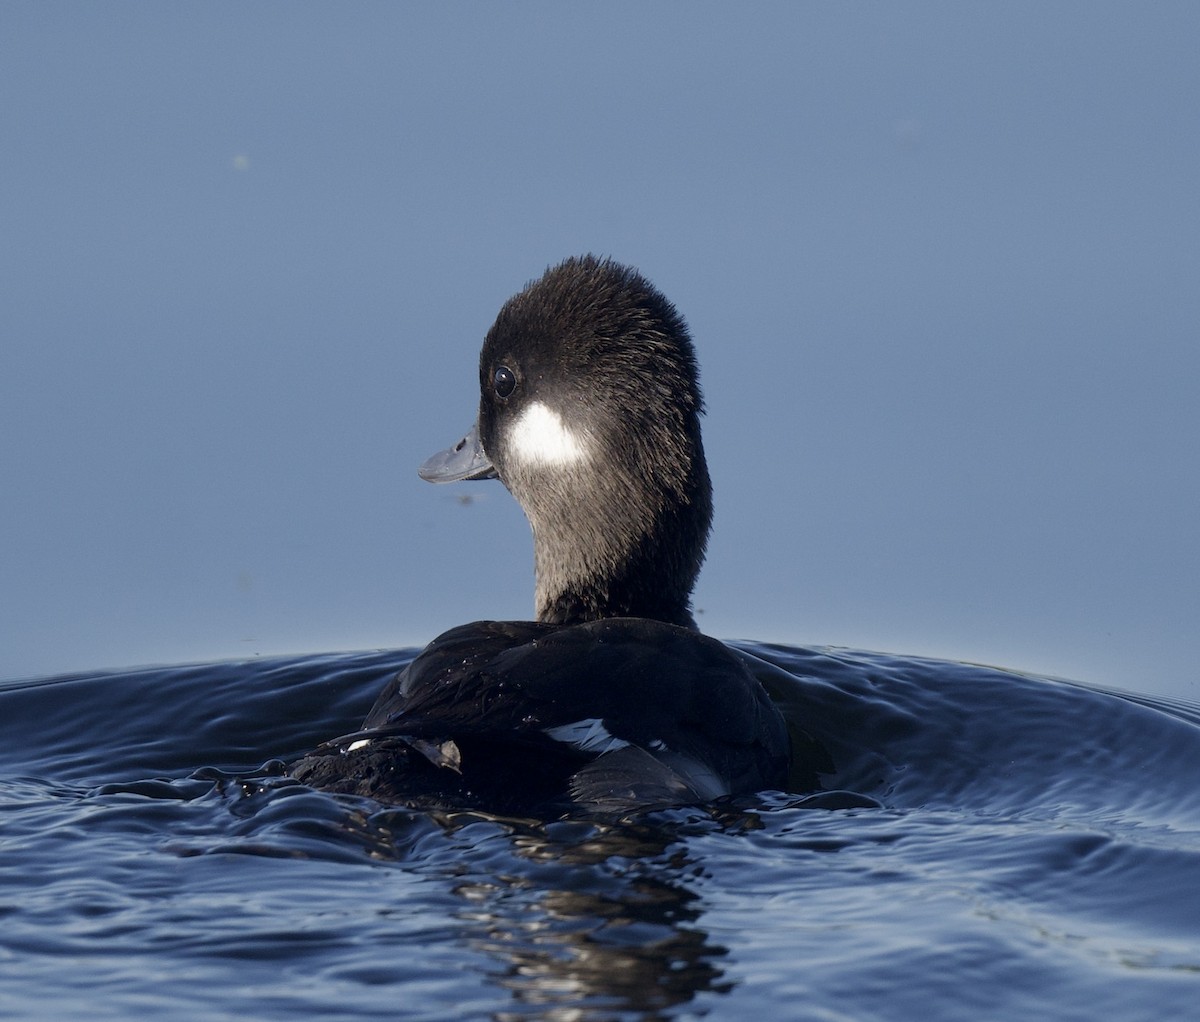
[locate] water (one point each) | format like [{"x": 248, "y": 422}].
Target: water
[{"x": 1016, "y": 847}]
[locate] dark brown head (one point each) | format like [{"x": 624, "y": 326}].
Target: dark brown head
[{"x": 590, "y": 415}]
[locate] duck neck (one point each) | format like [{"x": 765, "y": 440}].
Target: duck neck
[{"x": 635, "y": 555}]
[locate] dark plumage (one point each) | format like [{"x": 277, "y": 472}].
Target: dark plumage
[
  {"x": 623, "y": 533},
  {"x": 590, "y": 415}
]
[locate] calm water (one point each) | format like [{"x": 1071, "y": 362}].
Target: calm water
[{"x": 1016, "y": 847}]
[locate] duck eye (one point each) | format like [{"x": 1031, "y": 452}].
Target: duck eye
[{"x": 504, "y": 382}]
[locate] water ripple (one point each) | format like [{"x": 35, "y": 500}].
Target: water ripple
[{"x": 992, "y": 845}]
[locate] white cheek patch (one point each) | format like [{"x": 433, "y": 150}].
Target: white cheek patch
[{"x": 540, "y": 437}]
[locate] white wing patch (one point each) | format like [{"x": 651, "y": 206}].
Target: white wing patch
[
  {"x": 588, "y": 735},
  {"x": 540, "y": 437}
]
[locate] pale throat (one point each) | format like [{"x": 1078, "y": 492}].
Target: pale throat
[{"x": 540, "y": 437}]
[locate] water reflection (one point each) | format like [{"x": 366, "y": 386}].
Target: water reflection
[{"x": 599, "y": 917}]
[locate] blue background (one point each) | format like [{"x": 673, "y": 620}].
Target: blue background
[{"x": 941, "y": 262}]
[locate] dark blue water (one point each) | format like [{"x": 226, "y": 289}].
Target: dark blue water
[{"x": 1016, "y": 848}]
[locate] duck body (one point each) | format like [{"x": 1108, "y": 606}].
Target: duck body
[
  {"x": 590, "y": 415},
  {"x": 531, "y": 717}
]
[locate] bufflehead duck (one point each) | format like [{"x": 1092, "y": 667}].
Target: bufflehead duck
[{"x": 590, "y": 415}]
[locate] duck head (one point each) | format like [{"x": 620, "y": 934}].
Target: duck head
[{"x": 589, "y": 414}]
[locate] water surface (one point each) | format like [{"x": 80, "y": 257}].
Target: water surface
[{"x": 1010, "y": 847}]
